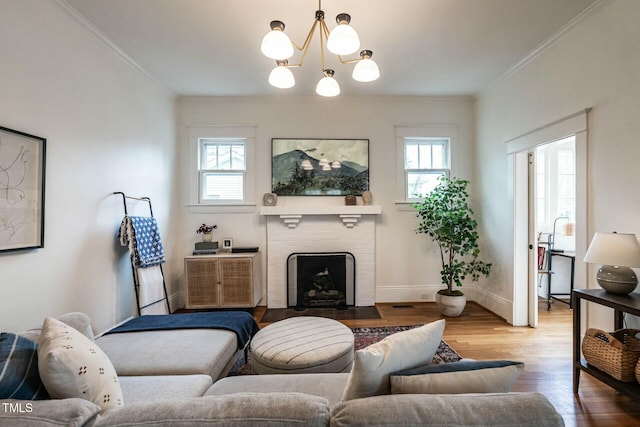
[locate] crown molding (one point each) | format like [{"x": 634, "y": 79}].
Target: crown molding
[
  {"x": 547, "y": 44},
  {"x": 187, "y": 99},
  {"x": 110, "y": 44}
]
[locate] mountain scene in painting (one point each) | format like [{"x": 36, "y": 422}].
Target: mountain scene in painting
[{"x": 307, "y": 170}]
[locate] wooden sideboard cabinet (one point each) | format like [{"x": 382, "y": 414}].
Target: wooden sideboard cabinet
[{"x": 222, "y": 280}]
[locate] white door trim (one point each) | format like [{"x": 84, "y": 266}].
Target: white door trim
[
  {"x": 562, "y": 128},
  {"x": 517, "y": 149}
]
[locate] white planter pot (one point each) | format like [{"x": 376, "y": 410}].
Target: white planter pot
[{"x": 451, "y": 306}]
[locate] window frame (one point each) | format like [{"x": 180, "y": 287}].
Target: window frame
[
  {"x": 431, "y": 142},
  {"x": 196, "y": 136},
  {"x": 203, "y": 143},
  {"x": 449, "y": 132}
]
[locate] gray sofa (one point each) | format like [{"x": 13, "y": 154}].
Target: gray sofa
[{"x": 176, "y": 378}]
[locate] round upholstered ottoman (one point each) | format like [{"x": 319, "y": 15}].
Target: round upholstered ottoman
[{"x": 302, "y": 345}]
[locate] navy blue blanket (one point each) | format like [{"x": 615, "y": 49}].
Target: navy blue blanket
[
  {"x": 240, "y": 322},
  {"x": 142, "y": 236}
]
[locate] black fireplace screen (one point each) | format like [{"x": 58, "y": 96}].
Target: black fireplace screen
[{"x": 321, "y": 279}]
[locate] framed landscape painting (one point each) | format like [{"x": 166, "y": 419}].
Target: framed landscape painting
[
  {"x": 319, "y": 167},
  {"x": 22, "y": 164}
]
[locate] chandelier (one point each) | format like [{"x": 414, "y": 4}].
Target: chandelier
[{"x": 342, "y": 40}]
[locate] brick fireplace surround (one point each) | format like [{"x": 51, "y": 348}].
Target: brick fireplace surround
[{"x": 320, "y": 229}]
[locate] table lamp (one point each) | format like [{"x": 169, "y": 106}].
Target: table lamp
[{"x": 615, "y": 252}]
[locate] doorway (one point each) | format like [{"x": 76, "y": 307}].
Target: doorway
[
  {"x": 554, "y": 218},
  {"x": 522, "y": 155}
]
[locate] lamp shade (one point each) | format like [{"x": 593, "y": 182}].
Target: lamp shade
[
  {"x": 343, "y": 39},
  {"x": 282, "y": 77},
  {"x": 276, "y": 44},
  {"x": 328, "y": 86},
  {"x": 617, "y": 249},
  {"x": 366, "y": 70}
]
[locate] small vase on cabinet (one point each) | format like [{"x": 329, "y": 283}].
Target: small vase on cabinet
[{"x": 207, "y": 237}]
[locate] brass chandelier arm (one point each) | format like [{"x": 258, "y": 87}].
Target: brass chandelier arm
[
  {"x": 305, "y": 46},
  {"x": 307, "y": 41},
  {"x": 324, "y": 29},
  {"x": 348, "y": 61}
]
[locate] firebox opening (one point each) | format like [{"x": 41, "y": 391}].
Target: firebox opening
[{"x": 320, "y": 280}]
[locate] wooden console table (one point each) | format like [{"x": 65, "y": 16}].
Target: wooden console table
[{"x": 621, "y": 304}]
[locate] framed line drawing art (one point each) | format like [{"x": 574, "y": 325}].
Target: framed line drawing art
[
  {"x": 22, "y": 179},
  {"x": 227, "y": 243},
  {"x": 319, "y": 167}
]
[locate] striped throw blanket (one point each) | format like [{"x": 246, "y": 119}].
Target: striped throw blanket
[{"x": 142, "y": 236}]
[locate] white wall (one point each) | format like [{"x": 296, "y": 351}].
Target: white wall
[
  {"x": 595, "y": 64},
  {"x": 407, "y": 267},
  {"x": 108, "y": 128}
]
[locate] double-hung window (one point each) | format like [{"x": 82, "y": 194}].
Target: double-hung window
[
  {"x": 425, "y": 161},
  {"x": 223, "y": 168}
]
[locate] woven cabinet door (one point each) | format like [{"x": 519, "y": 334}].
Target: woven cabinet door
[
  {"x": 236, "y": 282},
  {"x": 201, "y": 283}
]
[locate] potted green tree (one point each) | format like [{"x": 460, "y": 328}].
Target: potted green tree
[{"x": 447, "y": 218}]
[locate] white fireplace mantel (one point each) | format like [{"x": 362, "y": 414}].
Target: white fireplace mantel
[
  {"x": 308, "y": 228},
  {"x": 349, "y": 215}
]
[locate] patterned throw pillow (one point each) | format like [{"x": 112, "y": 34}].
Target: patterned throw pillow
[
  {"x": 19, "y": 377},
  {"x": 71, "y": 365},
  {"x": 494, "y": 376}
]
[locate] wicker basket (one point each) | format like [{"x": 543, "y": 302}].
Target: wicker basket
[{"x": 614, "y": 353}]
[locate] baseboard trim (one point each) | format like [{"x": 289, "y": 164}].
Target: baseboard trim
[{"x": 496, "y": 304}]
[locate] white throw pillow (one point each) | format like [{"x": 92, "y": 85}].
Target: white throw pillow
[
  {"x": 494, "y": 376},
  {"x": 397, "y": 352},
  {"x": 71, "y": 365}
]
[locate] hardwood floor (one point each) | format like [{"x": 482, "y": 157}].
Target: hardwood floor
[{"x": 546, "y": 352}]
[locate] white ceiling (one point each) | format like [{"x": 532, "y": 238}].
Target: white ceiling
[{"x": 423, "y": 47}]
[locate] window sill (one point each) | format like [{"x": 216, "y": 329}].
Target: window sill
[
  {"x": 226, "y": 208},
  {"x": 405, "y": 206}
]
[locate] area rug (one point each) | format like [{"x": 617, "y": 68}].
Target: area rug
[
  {"x": 350, "y": 313},
  {"x": 362, "y": 338}
]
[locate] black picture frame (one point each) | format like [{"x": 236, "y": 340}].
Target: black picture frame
[
  {"x": 319, "y": 167},
  {"x": 22, "y": 190}
]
